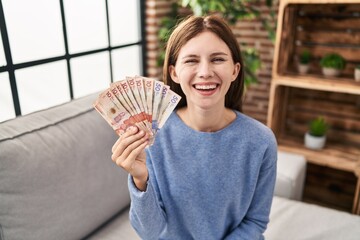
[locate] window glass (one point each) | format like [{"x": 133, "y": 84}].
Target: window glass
[
  {"x": 42, "y": 86},
  {"x": 90, "y": 73},
  {"x": 126, "y": 62},
  {"x": 6, "y": 103},
  {"x": 35, "y": 33},
  {"x": 34, "y": 29},
  {"x": 86, "y": 24},
  {"x": 125, "y": 22},
  {"x": 2, "y": 54}
]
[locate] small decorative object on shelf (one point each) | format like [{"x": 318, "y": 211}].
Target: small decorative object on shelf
[
  {"x": 357, "y": 73},
  {"x": 315, "y": 138},
  {"x": 332, "y": 64},
  {"x": 304, "y": 60}
]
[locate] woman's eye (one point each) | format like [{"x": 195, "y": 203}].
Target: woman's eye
[
  {"x": 218, "y": 59},
  {"x": 189, "y": 61}
]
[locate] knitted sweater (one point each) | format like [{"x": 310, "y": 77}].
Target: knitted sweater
[{"x": 207, "y": 186}]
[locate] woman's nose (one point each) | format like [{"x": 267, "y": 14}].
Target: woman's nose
[{"x": 205, "y": 70}]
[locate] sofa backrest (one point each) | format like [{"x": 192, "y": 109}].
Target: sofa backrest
[{"x": 57, "y": 180}]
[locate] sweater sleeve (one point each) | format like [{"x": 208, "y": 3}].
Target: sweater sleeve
[
  {"x": 146, "y": 215},
  {"x": 256, "y": 219}
]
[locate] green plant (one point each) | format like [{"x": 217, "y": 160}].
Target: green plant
[
  {"x": 235, "y": 10},
  {"x": 252, "y": 63},
  {"x": 357, "y": 66},
  {"x": 305, "y": 57},
  {"x": 333, "y": 60},
  {"x": 166, "y": 26},
  {"x": 318, "y": 127}
]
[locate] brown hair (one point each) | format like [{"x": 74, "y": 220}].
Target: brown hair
[{"x": 188, "y": 29}]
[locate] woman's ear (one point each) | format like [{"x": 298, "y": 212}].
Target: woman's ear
[
  {"x": 173, "y": 74},
  {"x": 237, "y": 68}
]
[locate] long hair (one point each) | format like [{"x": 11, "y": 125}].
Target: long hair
[{"x": 188, "y": 29}]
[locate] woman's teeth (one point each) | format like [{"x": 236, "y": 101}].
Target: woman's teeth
[{"x": 205, "y": 87}]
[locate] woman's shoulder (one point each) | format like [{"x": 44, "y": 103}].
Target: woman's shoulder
[
  {"x": 252, "y": 127},
  {"x": 250, "y": 122},
  {"x": 258, "y": 135}
]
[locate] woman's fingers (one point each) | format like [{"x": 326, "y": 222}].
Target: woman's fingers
[
  {"x": 123, "y": 147},
  {"x": 128, "y": 148},
  {"x": 131, "y": 130},
  {"x": 133, "y": 142},
  {"x": 132, "y": 134},
  {"x": 128, "y": 162}
]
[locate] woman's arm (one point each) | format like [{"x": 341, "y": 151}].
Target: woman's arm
[{"x": 146, "y": 213}]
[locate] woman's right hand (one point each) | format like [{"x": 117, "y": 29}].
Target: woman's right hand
[{"x": 129, "y": 153}]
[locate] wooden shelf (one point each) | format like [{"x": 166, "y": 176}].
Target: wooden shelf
[
  {"x": 343, "y": 85},
  {"x": 321, "y": 27},
  {"x": 329, "y": 187},
  {"x": 334, "y": 155}
]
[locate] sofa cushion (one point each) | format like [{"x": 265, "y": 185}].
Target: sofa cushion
[
  {"x": 56, "y": 174},
  {"x": 291, "y": 219},
  {"x": 118, "y": 228}
]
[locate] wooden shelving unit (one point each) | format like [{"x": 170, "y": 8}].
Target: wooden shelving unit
[
  {"x": 316, "y": 83},
  {"x": 321, "y": 27}
]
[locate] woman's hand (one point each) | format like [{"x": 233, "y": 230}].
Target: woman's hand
[{"x": 129, "y": 153}]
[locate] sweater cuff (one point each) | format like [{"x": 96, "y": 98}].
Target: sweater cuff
[{"x": 135, "y": 192}]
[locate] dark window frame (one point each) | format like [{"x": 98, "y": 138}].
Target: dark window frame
[{"x": 10, "y": 67}]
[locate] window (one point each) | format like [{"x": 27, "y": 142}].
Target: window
[{"x": 52, "y": 51}]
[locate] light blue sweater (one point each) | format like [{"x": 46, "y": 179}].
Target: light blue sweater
[{"x": 207, "y": 186}]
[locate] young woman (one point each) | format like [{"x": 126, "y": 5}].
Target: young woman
[{"x": 211, "y": 172}]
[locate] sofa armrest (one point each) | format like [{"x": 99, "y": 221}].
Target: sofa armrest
[{"x": 291, "y": 171}]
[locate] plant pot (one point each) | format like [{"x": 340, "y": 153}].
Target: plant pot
[
  {"x": 303, "y": 68},
  {"x": 357, "y": 74},
  {"x": 314, "y": 142},
  {"x": 331, "y": 72}
]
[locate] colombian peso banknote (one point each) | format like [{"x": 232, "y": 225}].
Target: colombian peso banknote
[{"x": 140, "y": 101}]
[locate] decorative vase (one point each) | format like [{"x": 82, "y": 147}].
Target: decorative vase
[
  {"x": 330, "y": 72},
  {"x": 357, "y": 74},
  {"x": 303, "y": 68},
  {"x": 314, "y": 142}
]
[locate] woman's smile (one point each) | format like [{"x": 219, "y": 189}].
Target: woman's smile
[{"x": 206, "y": 89}]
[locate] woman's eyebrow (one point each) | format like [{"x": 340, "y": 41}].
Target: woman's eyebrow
[
  {"x": 218, "y": 53},
  {"x": 190, "y": 56},
  {"x": 212, "y": 55}
]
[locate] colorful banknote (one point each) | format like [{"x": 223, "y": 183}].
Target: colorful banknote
[{"x": 143, "y": 102}]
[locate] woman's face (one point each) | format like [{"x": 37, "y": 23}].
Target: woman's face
[{"x": 205, "y": 69}]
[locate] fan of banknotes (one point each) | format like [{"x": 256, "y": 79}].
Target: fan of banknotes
[{"x": 140, "y": 101}]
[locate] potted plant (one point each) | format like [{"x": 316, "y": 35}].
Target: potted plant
[
  {"x": 304, "y": 60},
  {"x": 357, "y": 73},
  {"x": 332, "y": 64},
  {"x": 315, "y": 137}
]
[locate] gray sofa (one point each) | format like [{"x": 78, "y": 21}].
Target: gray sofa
[{"x": 57, "y": 181}]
